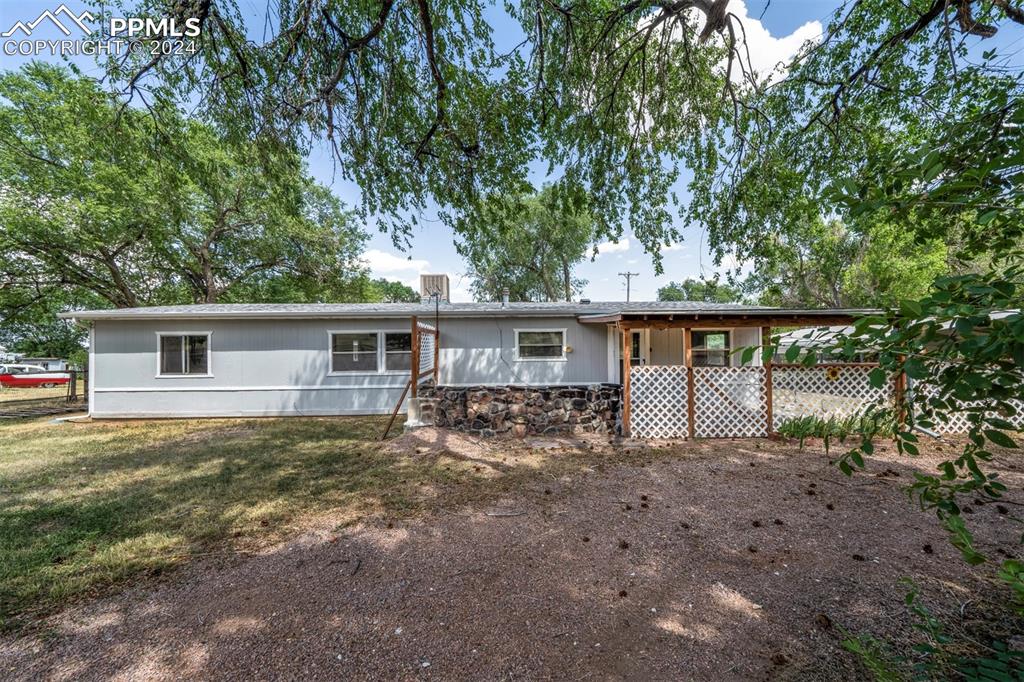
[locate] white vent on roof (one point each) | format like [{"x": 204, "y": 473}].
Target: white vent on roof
[{"x": 434, "y": 285}]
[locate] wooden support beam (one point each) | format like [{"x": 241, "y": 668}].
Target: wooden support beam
[
  {"x": 899, "y": 395},
  {"x": 688, "y": 356},
  {"x": 626, "y": 353},
  {"x": 766, "y": 339},
  {"x": 415, "y": 369}
]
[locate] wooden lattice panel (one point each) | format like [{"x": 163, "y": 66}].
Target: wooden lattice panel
[
  {"x": 730, "y": 402},
  {"x": 824, "y": 391},
  {"x": 657, "y": 401}
]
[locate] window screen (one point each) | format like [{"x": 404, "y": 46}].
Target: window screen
[
  {"x": 354, "y": 352},
  {"x": 541, "y": 345},
  {"x": 186, "y": 354}
]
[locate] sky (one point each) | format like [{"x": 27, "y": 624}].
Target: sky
[{"x": 775, "y": 29}]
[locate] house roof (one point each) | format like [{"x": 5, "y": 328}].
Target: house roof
[{"x": 597, "y": 311}]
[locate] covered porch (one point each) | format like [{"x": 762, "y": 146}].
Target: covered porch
[{"x": 682, "y": 376}]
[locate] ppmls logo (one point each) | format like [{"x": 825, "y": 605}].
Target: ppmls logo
[
  {"x": 155, "y": 37},
  {"x": 77, "y": 20}
]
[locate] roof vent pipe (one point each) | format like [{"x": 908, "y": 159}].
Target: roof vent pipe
[{"x": 504, "y": 297}]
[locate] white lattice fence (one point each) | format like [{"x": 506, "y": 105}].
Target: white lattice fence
[
  {"x": 824, "y": 391},
  {"x": 426, "y": 353},
  {"x": 657, "y": 401},
  {"x": 957, "y": 422},
  {"x": 730, "y": 402}
]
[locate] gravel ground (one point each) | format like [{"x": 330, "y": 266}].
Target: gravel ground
[{"x": 712, "y": 560}]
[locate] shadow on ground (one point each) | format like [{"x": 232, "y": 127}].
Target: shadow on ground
[{"x": 715, "y": 560}]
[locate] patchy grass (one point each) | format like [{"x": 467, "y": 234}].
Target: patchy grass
[
  {"x": 7, "y": 394},
  {"x": 84, "y": 506}
]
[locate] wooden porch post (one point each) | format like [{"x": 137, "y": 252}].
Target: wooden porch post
[
  {"x": 415, "y": 369},
  {"x": 899, "y": 395},
  {"x": 688, "y": 354},
  {"x": 766, "y": 339},
  {"x": 626, "y": 352}
]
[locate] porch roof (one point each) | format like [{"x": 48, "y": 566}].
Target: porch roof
[{"x": 663, "y": 314}]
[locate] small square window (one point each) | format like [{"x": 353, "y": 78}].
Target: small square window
[
  {"x": 540, "y": 345},
  {"x": 710, "y": 348},
  {"x": 397, "y": 352},
  {"x": 187, "y": 354}
]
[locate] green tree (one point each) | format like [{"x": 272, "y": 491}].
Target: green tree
[
  {"x": 828, "y": 264},
  {"x": 388, "y": 291},
  {"x": 106, "y": 205},
  {"x": 528, "y": 244},
  {"x": 707, "y": 291}
]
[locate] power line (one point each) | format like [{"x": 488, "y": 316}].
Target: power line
[{"x": 628, "y": 276}]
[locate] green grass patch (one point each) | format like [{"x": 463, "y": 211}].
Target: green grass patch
[
  {"x": 90, "y": 505},
  {"x": 83, "y": 506}
]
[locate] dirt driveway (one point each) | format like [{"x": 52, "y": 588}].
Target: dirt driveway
[{"x": 714, "y": 560}]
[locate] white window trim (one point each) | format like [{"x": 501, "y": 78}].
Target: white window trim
[
  {"x": 381, "y": 352},
  {"x": 209, "y": 355},
  {"x": 728, "y": 351},
  {"x": 565, "y": 337}
]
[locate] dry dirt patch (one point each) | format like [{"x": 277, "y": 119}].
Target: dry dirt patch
[{"x": 717, "y": 559}]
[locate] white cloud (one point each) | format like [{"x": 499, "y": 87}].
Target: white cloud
[
  {"x": 673, "y": 247},
  {"x": 768, "y": 52},
  {"x": 384, "y": 263},
  {"x": 612, "y": 247}
]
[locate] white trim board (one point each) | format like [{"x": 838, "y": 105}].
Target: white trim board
[{"x": 245, "y": 413}]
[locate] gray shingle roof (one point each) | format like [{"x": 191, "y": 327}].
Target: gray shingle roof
[{"x": 381, "y": 310}]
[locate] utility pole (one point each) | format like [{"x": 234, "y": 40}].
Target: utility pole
[{"x": 628, "y": 276}]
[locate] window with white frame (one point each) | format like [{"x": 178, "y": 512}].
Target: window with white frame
[
  {"x": 540, "y": 344},
  {"x": 184, "y": 354},
  {"x": 397, "y": 352},
  {"x": 710, "y": 348},
  {"x": 354, "y": 352}
]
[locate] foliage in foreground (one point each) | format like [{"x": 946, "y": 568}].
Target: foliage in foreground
[{"x": 940, "y": 654}]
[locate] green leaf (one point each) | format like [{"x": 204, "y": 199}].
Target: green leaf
[
  {"x": 910, "y": 308},
  {"x": 877, "y": 377},
  {"x": 792, "y": 352},
  {"x": 1000, "y": 438}
]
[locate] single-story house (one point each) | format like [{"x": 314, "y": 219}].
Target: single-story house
[
  {"x": 52, "y": 364},
  {"x": 210, "y": 360}
]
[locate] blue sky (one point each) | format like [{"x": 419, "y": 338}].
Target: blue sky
[{"x": 771, "y": 38}]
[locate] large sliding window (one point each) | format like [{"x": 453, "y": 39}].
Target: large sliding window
[
  {"x": 183, "y": 354},
  {"x": 356, "y": 352},
  {"x": 711, "y": 348},
  {"x": 370, "y": 352}
]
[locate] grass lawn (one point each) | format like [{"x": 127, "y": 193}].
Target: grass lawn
[
  {"x": 8, "y": 394},
  {"x": 84, "y": 506}
]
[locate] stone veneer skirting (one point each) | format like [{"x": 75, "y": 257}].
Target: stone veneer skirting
[{"x": 522, "y": 410}]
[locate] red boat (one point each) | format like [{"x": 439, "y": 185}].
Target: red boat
[{"x": 25, "y": 376}]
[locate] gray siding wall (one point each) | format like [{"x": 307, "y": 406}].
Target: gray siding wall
[
  {"x": 259, "y": 367},
  {"x": 482, "y": 351},
  {"x": 281, "y": 367}
]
